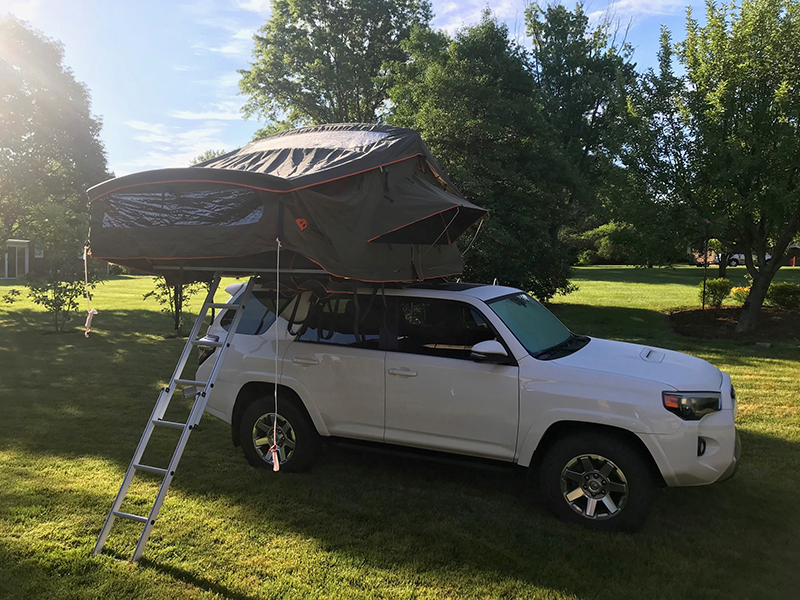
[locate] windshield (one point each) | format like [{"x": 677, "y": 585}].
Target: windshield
[{"x": 531, "y": 323}]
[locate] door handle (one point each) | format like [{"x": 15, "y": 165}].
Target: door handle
[
  {"x": 403, "y": 372},
  {"x": 299, "y": 360}
]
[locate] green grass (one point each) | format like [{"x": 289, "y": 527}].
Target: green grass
[{"x": 363, "y": 525}]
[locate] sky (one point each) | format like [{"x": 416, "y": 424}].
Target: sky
[{"x": 162, "y": 73}]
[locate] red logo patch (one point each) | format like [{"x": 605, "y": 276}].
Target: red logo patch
[{"x": 301, "y": 223}]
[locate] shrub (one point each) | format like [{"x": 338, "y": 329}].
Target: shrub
[
  {"x": 588, "y": 257},
  {"x": 716, "y": 291},
  {"x": 784, "y": 295},
  {"x": 739, "y": 294}
]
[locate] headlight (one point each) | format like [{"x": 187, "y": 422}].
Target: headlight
[{"x": 692, "y": 406}]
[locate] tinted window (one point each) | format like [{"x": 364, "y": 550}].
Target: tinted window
[
  {"x": 535, "y": 327},
  {"x": 339, "y": 321},
  {"x": 440, "y": 327},
  {"x": 258, "y": 316}
]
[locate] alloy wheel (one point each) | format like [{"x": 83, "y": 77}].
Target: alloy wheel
[
  {"x": 594, "y": 487},
  {"x": 263, "y": 432}
]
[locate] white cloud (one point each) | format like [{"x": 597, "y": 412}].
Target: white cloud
[
  {"x": 223, "y": 82},
  {"x": 220, "y": 111},
  {"x": 166, "y": 146},
  {"x": 452, "y": 16},
  {"x": 156, "y": 128},
  {"x": 637, "y": 10},
  {"x": 262, "y": 7},
  {"x": 238, "y": 45}
]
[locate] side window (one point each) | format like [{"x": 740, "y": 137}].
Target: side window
[
  {"x": 339, "y": 322},
  {"x": 440, "y": 327},
  {"x": 258, "y": 316}
]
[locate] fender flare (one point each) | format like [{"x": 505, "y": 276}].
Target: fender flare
[
  {"x": 294, "y": 385},
  {"x": 532, "y": 438}
]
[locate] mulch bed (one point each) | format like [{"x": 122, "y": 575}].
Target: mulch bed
[{"x": 720, "y": 323}]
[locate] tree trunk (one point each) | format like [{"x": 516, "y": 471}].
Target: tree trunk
[
  {"x": 751, "y": 311},
  {"x": 723, "y": 267},
  {"x": 178, "y": 292}
]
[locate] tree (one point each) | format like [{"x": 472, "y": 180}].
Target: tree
[
  {"x": 474, "y": 101},
  {"x": 321, "y": 61},
  {"x": 581, "y": 71},
  {"x": 721, "y": 144},
  {"x": 172, "y": 299},
  {"x": 584, "y": 72},
  {"x": 207, "y": 155},
  {"x": 60, "y": 288},
  {"x": 50, "y": 150},
  {"x": 743, "y": 67},
  {"x": 50, "y": 153}
]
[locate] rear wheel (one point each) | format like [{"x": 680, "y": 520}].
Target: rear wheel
[
  {"x": 297, "y": 438},
  {"x": 597, "y": 480}
]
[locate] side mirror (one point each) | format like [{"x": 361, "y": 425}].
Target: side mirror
[{"x": 490, "y": 351}]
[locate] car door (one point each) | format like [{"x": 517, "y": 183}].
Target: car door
[
  {"x": 337, "y": 357},
  {"x": 436, "y": 396}
]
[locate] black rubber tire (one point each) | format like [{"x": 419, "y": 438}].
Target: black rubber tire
[
  {"x": 307, "y": 439},
  {"x": 628, "y": 458},
  {"x": 734, "y": 262}
]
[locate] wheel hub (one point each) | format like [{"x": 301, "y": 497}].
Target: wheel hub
[
  {"x": 274, "y": 429},
  {"x": 593, "y": 486}
]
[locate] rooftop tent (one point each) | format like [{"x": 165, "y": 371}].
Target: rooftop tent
[{"x": 364, "y": 202}]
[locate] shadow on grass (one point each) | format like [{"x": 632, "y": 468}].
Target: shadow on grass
[
  {"x": 50, "y": 575},
  {"x": 68, "y": 397}
]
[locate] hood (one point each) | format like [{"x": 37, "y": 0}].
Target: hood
[{"x": 679, "y": 371}]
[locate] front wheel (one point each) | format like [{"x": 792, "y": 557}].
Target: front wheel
[
  {"x": 297, "y": 438},
  {"x": 597, "y": 480},
  {"x": 734, "y": 262}
]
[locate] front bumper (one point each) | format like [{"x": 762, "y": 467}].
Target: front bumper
[{"x": 737, "y": 453}]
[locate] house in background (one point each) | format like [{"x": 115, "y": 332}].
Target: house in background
[{"x": 19, "y": 258}]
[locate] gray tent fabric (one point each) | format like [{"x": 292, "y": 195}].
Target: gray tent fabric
[{"x": 355, "y": 201}]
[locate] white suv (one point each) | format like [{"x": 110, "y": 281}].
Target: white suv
[{"x": 477, "y": 370}]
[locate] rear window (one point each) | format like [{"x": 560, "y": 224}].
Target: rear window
[
  {"x": 258, "y": 316},
  {"x": 340, "y": 322}
]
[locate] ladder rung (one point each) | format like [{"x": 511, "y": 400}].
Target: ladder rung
[
  {"x": 172, "y": 424},
  {"x": 124, "y": 515},
  {"x": 201, "y": 384},
  {"x": 207, "y": 343},
  {"x": 149, "y": 469},
  {"x": 221, "y": 305}
]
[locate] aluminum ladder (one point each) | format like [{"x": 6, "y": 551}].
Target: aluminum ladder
[{"x": 201, "y": 391}]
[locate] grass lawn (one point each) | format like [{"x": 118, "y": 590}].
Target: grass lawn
[{"x": 362, "y": 525}]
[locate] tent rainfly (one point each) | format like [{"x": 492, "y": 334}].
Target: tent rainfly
[{"x": 352, "y": 201}]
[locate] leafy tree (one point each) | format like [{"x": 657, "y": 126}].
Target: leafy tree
[
  {"x": 207, "y": 155},
  {"x": 50, "y": 153},
  {"x": 475, "y": 102},
  {"x": 584, "y": 72},
  {"x": 581, "y": 71},
  {"x": 50, "y": 150},
  {"x": 744, "y": 102},
  {"x": 61, "y": 287},
  {"x": 172, "y": 299},
  {"x": 321, "y": 61},
  {"x": 721, "y": 145}
]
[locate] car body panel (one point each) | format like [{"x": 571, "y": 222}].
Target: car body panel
[
  {"x": 489, "y": 410},
  {"x": 452, "y": 405}
]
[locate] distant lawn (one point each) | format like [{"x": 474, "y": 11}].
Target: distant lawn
[{"x": 362, "y": 525}]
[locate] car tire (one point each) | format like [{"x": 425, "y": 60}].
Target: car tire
[
  {"x": 298, "y": 439},
  {"x": 597, "y": 480},
  {"x": 734, "y": 262}
]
